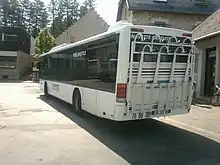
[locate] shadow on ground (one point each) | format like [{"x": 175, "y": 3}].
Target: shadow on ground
[{"x": 147, "y": 142}]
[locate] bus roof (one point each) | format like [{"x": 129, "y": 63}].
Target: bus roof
[
  {"x": 93, "y": 38},
  {"x": 111, "y": 31}
]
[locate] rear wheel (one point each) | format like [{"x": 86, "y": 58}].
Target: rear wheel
[
  {"x": 77, "y": 104},
  {"x": 46, "y": 89}
]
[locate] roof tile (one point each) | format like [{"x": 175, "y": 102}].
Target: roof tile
[
  {"x": 179, "y": 6},
  {"x": 210, "y": 25}
]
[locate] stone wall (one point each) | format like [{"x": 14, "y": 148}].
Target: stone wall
[
  {"x": 174, "y": 20},
  {"x": 23, "y": 63}
]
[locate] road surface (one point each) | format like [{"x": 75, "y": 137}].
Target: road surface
[{"x": 39, "y": 131}]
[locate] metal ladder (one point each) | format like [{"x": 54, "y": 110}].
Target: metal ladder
[{"x": 150, "y": 46}]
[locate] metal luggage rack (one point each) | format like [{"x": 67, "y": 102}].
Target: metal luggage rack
[
  {"x": 164, "y": 49},
  {"x": 148, "y": 49}
]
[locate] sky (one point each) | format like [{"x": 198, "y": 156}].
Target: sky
[{"x": 107, "y": 9}]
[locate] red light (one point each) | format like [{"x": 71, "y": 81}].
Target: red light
[
  {"x": 121, "y": 90},
  {"x": 137, "y": 30},
  {"x": 187, "y": 35}
]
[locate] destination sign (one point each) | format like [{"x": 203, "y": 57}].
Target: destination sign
[
  {"x": 55, "y": 87},
  {"x": 79, "y": 54}
]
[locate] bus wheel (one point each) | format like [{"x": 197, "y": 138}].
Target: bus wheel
[
  {"x": 46, "y": 89},
  {"x": 77, "y": 104}
]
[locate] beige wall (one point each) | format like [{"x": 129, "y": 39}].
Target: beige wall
[
  {"x": 89, "y": 25},
  {"x": 11, "y": 73},
  {"x": 174, "y": 20},
  {"x": 24, "y": 62}
]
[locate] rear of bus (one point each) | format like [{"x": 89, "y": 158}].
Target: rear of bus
[{"x": 160, "y": 73}]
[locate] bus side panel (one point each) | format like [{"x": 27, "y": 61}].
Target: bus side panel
[
  {"x": 123, "y": 56},
  {"x": 89, "y": 100},
  {"x": 105, "y": 104},
  {"x": 61, "y": 91},
  {"x": 122, "y": 72},
  {"x": 64, "y": 92}
]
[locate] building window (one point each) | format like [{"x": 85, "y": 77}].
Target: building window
[
  {"x": 8, "y": 62},
  {"x": 10, "y": 37},
  {"x": 8, "y": 59},
  {"x": 160, "y": 24},
  {"x": 2, "y": 37},
  {"x": 160, "y": 0},
  {"x": 201, "y": 2}
]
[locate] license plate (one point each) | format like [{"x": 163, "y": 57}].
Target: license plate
[
  {"x": 145, "y": 115},
  {"x": 140, "y": 115}
]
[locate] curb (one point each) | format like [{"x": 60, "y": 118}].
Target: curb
[{"x": 208, "y": 134}]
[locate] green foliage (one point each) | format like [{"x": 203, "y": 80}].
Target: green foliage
[
  {"x": 64, "y": 13},
  {"x": 31, "y": 15},
  {"x": 44, "y": 42}
]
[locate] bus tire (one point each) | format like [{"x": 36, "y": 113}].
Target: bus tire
[
  {"x": 77, "y": 103},
  {"x": 46, "y": 89}
]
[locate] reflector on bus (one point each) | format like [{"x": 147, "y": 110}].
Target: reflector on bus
[
  {"x": 137, "y": 30},
  {"x": 121, "y": 90},
  {"x": 187, "y": 35}
]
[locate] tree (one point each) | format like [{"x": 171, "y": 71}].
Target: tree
[
  {"x": 63, "y": 14},
  {"x": 87, "y": 6},
  {"x": 90, "y": 4},
  {"x": 39, "y": 19},
  {"x": 32, "y": 15},
  {"x": 4, "y": 12},
  {"x": 25, "y": 6},
  {"x": 14, "y": 13},
  {"x": 53, "y": 6},
  {"x": 71, "y": 10},
  {"x": 44, "y": 41}
]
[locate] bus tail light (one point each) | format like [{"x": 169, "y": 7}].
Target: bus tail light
[{"x": 121, "y": 92}]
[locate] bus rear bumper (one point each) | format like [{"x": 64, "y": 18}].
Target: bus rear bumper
[{"x": 121, "y": 115}]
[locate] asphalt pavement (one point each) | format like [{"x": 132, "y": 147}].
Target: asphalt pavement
[{"x": 35, "y": 130}]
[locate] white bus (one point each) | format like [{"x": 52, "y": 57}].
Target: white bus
[{"x": 142, "y": 72}]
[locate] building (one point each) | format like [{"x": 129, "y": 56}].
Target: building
[
  {"x": 15, "y": 49},
  {"x": 181, "y": 14},
  {"x": 89, "y": 25},
  {"x": 207, "y": 40}
]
